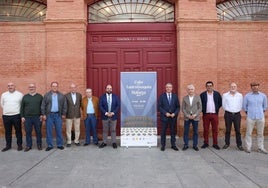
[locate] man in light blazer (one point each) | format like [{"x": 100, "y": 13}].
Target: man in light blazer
[
  {"x": 73, "y": 115},
  {"x": 191, "y": 108},
  {"x": 169, "y": 107},
  {"x": 109, "y": 106}
]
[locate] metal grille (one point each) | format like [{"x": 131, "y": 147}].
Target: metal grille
[
  {"x": 22, "y": 10},
  {"x": 243, "y": 10},
  {"x": 131, "y": 11}
]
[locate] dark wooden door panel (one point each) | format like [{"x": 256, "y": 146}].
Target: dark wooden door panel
[{"x": 112, "y": 48}]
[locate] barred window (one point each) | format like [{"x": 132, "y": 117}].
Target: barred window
[
  {"x": 22, "y": 10},
  {"x": 243, "y": 10},
  {"x": 131, "y": 11}
]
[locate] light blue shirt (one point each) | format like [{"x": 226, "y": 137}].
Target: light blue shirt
[
  {"x": 90, "y": 107},
  {"x": 55, "y": 105},
  {"x": 255, "y": 104},
  {"x": 109, "y": 101}
]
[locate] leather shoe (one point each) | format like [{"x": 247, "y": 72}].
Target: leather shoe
[
  {"x": 6, "y": 148},
  {"x": 19, "y": 148},
  {"x": 163, "y": 148},
  {"x": 39, "y": 147},
  {"x": 185, "y": 147},
  {"x": 60, "y": 147},
  {"x": 49, "y": 148},
  {"x": 102, "y": 145},
  {"x": 240, "y": 148},
  {"x": 77, "y": 144},
  {"x": 175, "y": 148},
  {"x": 204, "y": 146},
  {"x": 86, "y": 144},
  {"x": 195, "y": 148},
  {"x": 97, "y": 144},
  {"x": 114, "y": 145},
  {"x": 216, "y": 147},
  {"x": 27, "y": 149},
  {"x": 68, "y": 145},
  {"x": 225, "y": 146}
]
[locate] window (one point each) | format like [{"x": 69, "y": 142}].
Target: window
[
  {"x": 22, "y": 10},
  {"x": 243, "y": 10},
  {"x": 131, "y": 11}
]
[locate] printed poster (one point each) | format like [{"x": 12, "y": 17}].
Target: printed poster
[{"x": 138, "y": 109}]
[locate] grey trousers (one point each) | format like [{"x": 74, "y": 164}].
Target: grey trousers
[{"x": 109, "y": 124}]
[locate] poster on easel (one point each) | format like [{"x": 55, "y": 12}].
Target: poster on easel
[{"x": 138, "y": 109}]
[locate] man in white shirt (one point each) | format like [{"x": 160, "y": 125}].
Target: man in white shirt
[
  {"x": 232, "y": 102},
  {"x": 211, "y": 104},
  {"x": 11, "y": 103}
]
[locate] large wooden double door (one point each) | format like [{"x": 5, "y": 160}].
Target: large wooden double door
[{"x": 113, "y": 48}]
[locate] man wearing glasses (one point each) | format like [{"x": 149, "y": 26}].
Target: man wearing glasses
[
  {"x": 255, "y": 105},
  {"x": 211, "y": 103},
  {"x": 31, "y": 116}
]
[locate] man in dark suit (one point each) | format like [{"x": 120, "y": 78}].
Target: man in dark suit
[
  {"x": 211, "y": 103},
  {"x": 109, "y": 106},
  {"x": 73, "y": 115},
  {"x": 169, "y": 107}
]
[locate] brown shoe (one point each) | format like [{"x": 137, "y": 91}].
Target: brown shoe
[{"x": 27, "y": 149}]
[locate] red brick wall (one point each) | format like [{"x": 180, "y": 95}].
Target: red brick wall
[
  {"x": 207, "y": 50},
  {"x": 196, "y": 9},
  {"x": 223, "y": 52}
]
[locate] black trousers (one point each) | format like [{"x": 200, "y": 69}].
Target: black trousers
[
  {"x": 9, "y": 121},
  {"x": 232, "y": 118}
]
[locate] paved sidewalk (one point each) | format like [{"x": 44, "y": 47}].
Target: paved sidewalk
[{"x": 92, "y": 167}]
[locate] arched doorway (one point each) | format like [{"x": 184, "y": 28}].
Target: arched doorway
[{"x": 130, "y": 36}]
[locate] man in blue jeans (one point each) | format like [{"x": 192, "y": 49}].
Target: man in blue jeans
[
  {"x": 31, "y": 116},
  {"x": 54, "y": 109},
  {"x": 191, "y": 108},
  {"x": 90, "y": 109}
]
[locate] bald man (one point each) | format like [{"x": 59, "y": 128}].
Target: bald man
[{"x": 11, "y": 103}]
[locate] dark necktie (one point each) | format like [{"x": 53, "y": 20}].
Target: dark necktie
[{"x": 169, "y": 98}]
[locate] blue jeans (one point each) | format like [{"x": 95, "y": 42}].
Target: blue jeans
[
  {"x": 56, "y": 120},
  {"x": 31, "y": 122},
  {"x": 186, "y": 132},
  {"x": 91, "y": 124}
]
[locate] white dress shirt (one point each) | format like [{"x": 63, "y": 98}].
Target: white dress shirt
[
  {"x": 232, "y": 103},
  {"x": 73, "y": 97},
  {"x": 210, "y": 103}
]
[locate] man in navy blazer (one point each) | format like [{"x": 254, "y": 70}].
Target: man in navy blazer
[
  {"x": 169, "y": 107},
  {"x": 109, "y": 104},
  {"x": 211, "y": 103}
]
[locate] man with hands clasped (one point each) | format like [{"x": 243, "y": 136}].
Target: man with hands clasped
[
  {"x": 191, "y": 108},
  {"x": 169, "y": 107}
]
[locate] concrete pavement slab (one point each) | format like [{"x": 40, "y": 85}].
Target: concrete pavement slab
[{"x": 89, "y": 166}]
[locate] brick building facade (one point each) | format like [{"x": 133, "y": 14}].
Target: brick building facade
[{"x": 207, "y": 49}]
